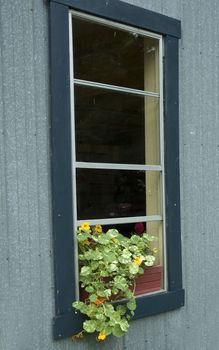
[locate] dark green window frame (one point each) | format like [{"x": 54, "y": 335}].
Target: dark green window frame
[{"x": 66, "y": 322}]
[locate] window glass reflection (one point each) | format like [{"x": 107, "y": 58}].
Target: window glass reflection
[
  {"x": 113, "y": 127},
  {"x": 112, "y": 56},
  {"x": 115, "y": 193}
]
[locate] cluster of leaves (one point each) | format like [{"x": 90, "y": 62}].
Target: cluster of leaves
[{"x": 109, "y": 263}]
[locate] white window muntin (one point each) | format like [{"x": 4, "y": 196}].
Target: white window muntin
[
  {"x": 115, "y": 88},
  {"x": 123, "y": 220},
  {"x": 117, "y": 166}
]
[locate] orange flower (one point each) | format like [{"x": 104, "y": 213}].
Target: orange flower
[
  {"x": 99, "y": 301},
  {"x": 102, "y": 335}
]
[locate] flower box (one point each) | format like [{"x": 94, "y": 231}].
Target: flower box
[{"x": 150, "y": 280}]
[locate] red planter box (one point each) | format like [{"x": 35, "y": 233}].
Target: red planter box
[{"x": 150, "y": 281}]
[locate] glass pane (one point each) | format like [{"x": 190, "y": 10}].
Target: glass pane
[
  {"x": 116, "y": 127},
  {"x": 117, "y": 193},
  {"x": 112, "y": 56}
]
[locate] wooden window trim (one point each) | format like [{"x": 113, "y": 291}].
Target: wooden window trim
[{"x": 66, "y": 321}]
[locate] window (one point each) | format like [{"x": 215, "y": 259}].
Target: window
[
  {"x": 117, "y": 116},
  {"x": 114, "y": 140}
]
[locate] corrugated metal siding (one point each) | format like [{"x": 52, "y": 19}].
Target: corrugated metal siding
[
  {"x": 26, "y": 274},
  {"x": 26, "y": 267}
]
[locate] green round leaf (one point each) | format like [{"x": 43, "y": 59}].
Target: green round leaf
[
  {"x": 93, "y": 298},
  {"x": 131, "y": 305},
  {"x": 85, "y": 271},
  {"x": 89, "y": 326},
  {"x": 117, "y": 331}
]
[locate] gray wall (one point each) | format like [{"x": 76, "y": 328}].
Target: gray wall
[{"x": 26, "y": 265}]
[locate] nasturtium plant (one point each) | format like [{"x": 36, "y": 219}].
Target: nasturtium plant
[{"x": 109, "y": 264}]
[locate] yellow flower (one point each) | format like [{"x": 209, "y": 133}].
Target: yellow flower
[
  {"x": 85, "y": 226},
  {"x": 155, "y": 250},
  {"x": 102, "y": 335},
  {"x": 86, "y": 241},
  {"x": 137, "y": 260},
  {"x": 98, "y": 229}
]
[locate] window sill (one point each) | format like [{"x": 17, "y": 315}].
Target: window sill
[{"x": 148, "y": 305}]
